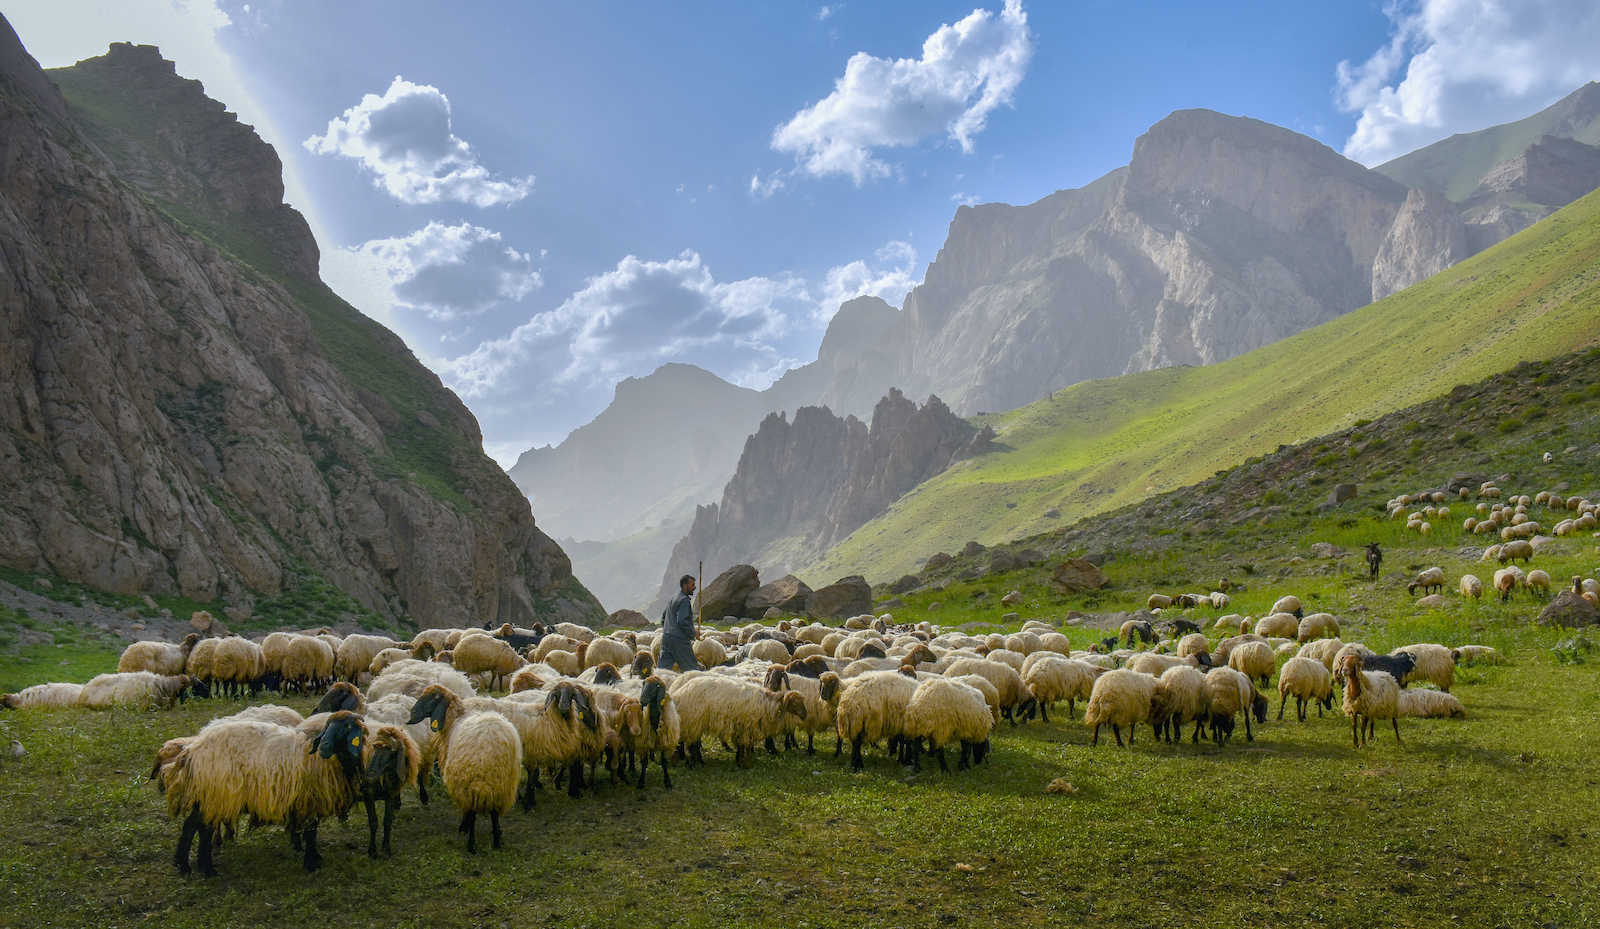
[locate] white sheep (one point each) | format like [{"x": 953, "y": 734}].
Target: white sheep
[
  {"x": 1194, "y": 643},
  {"x": 1322, "y": 650},
  {"x": 485, "y": 654},
  {"x": 1280, "y": 623},
  {"x": 606, "y": 650},
  {"x": 1539, "y": 580},
  {"x": 1119, "y": 698},
  {"x": 1181, "y": 697},
  {"x": 1288, "y": 604},
  {"x": 1052, "y": 679},
  {"x": 161, "y": 658},
  {"x": 1418, "y": 701},
  {"x": 942, "y": 710},
  {"x": 739, "y": 713},
  {"x": 1368, "y": 696},
  {"x": 1305, "y": 679},
  {"x": 1231, "y": 693},
  {"x": 1471, "y": 586},
  {"x": 1506, "y": 581},
  {"x": 480, "y": 758},
  {"x": 1470, "y": 654},
  {"x": 138, "y": 689},
  {"x": 1316, "y": 626},
  {"x": 1015, "y": 698},
  {"x": 355, "y": 654},
  {"x": 411, "y": 677},
  {"x": 1515, "y": 549},
  {"x": 1254, "y": 659},
  {"x": 872, "y": 708},
  {"x": 44, "y": 695},
  {"x": 1435, "y": 664},
  {"x": 1428, "y": 580}
]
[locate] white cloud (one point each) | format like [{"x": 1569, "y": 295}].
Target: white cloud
[
  {"x": 828, "y": 11},
  {"x": 404, "y": 139},
  {"x": 894, "y": 276},
  {"x": 452, "y": 271},
  {"x": 631, "y": 319},
  {"x": 1462, "y": 65},
  {"x": 966, "y": 71}
]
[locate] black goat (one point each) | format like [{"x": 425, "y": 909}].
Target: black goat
[
  {"x": 1183, "y": 626},
  {"x": 1145, "y": 632}
]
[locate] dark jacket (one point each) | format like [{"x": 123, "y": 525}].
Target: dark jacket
[{"x": 677, "y": 620}]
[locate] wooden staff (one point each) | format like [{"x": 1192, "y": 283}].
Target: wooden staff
[{"x": 699, "y": 599}]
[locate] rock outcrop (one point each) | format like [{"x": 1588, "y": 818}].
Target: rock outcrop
[
  {"x": 1428, "y": 236},
  {"x": 801, "y": 486},
  {"x": 787, "y": 594},
  {"x": 846, "y": 597},
  {"x": 188, "y": 410},
  {"x": 725, "y": 595}
]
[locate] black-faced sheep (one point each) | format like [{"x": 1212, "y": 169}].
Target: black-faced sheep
[
  {"x": 942, "y": 711},
  {"x": 480, "y": 758}
]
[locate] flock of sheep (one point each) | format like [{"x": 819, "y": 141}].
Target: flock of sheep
[{"x": 583, "y": 707}]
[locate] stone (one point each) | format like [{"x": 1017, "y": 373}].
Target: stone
[
  {"x": 42, "y": 583},
  {"x": 1327, "y": 550},
  {"x": 202, "y": 621},
  {"x": 1010, "y": 505},
  {"x": 628, "y": 619},
  {"x": 787, "y": 593},
  {"x": 971, "y": 550},
  {"x": 1431, "y": 602},
  {"x": 1031, "y": 556},
  {"x": 1012, "y": 599},
  {"x": 1341, "y": 493},
  {"x": 1567, "y": 609},
  {"x": 906, "y": 582},
  {"x": 149, "y": 602},
  {"x": 893, "y": 603},
  {"x": 844, "y": 597},
  {"x": 1002, "y": 562},
  {"x": 237, "y": 614},
  {"x": 1010, "y": 617},
  {"x": 1095, "y": 558},
  {"x": 137, "y": 627},
  {"x": 938, "y": 560},
  {"x": 772, "y": 613},
  {"x": 1052, "y": 513},
  {"x": 1076, "y": 575},
  {"x": 726, "y": 594}
]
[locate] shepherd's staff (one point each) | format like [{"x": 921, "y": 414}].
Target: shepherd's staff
[{"x": 700, "y": 600}]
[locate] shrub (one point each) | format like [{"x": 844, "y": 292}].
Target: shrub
[
  {"x": 1462, "y": 437},
  {"x": 1534, "y": 412},
  {"x": 1572, "y": 397},
  {"x": 1509, "y": 425},
  {"x": 1326, "y": 460},
  {"x": 1274, "y": 497},
  {"x": 1361, "y": 422}
]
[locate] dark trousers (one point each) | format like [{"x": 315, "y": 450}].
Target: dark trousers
[{"x": 680, "y": 652}]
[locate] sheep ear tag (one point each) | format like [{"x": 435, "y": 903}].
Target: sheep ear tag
[
  {"x": 356, "y": 741},
  {"x": 433, "y": 724}
]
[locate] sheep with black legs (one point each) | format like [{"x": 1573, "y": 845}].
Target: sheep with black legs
[
  {"x": 740, "y": 713},
  {"x": 872, "y": 709},
  {"x": 1015, "y": 698},
  {"x": 660, "y": 730},
  {"x": 559, "y": 728},
  {"x": 355, "y": 653},
  {"x": 1181, "y": 697},
  {"x": 264, "y": 769},
  {"x": 1307, "y": 680},
  {"x": 942, "y": 711},
  {"x": 1052, "y": 678},
  {"x": 1254, "y": 659},
  {"x": 1119, "y": 698},
  {"x": 480, "y": 758},
  {"x": 1232, "y": 693},
  {"x": 392, "y": 763},
  {"x": 161, "y": 658},
  {"x": 1368, "y": 696}
]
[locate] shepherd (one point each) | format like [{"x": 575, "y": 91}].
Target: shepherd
[{"x": 678, "y": 628}]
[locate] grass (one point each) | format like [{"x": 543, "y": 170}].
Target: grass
[{"x": 1100, "y": 445}]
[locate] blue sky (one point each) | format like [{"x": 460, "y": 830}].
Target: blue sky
[{"x": 543, "y": 198}]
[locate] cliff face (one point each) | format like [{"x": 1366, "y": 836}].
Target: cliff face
[
  {"x": 186, "y": 410},
  {"x": 802, "y": 486},
  {"x": 1428, "y": 236}
]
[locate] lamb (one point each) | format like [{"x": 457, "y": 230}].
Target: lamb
[
  {"x": 160, "y": 658},
  {"x": 1516, "y": 548},
  {"x": 1471, "y": 586},
  {"x": 480, "y": 758},
  {"x": 485, "y": 654},
  {"x": 1434, "y": 703},
  {"x": 741, "y": 714},
  {"x": 1469, "y": 654},
  {"x": 872, "y": 708},
  {"x": 1428, "y": 580},
  {"x": 1306, "y": 679},
  {"x": 1434, "y": 663},
  {"x": 941, "y": 711},
  {"x": 1053, "y": 679},
  {"x": 660, "y": 730},
  {"x": 245, "y": 765},
  {"x": 1119, "y": 698},
  {"x": 1368, "y": 696},
  {"x": 1231, "y": 692},
  {"x": 393, "y": 763},
  {"x": 1181, "y": 697},
  {"x": 1254, "y": 659},
  {"x": 356, "y": 652},
  {"x": 43, "y": 695},
  {"x": 139, "y": 689}
]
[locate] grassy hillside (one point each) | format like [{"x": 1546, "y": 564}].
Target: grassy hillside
[
  {"x": 1454, "y": 165},
  {"x": 1100, "y": 445}
]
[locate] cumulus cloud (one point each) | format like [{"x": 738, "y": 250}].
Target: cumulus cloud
[
  {"x": 965, "y": 72},
  {"x": 404, "y": 139},
  {"x": 452, "y": 271},
  {"x": 628, "y": 320},
  {"x": 891, "y": 278},
  {"x": 1461, "y": 65}
]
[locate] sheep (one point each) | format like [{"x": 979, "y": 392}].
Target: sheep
[
  {"x": 480, "y": 758},
  {"x": 485, "y": 654},
  {"x": 769, "y": 650},
  {"x": 942, "y": 710},
  {"x": 872, "y": 708},
  {"x": 1322, "y": 650},
  {"x": 1420, "y": 702},
  {"x": 393, "y": 762},
  {"x": 660, "y": 729},
  {"x": 1155, "y": 664},
  {"x": 355, "y": 654},
  {"x": 1427, "y": 580},
  {"x": 235, "y": 664},
  {"x": 710, "y": 653},
  {"x": 1158, "y": 602},
  {"x": 1053, "y": 678},
  {"x": 247, "y": 765},
  {"x": 1119, "y": 698},
  {"x": 387, "y": 657},
  {"x": 160, "y": 658},
  {"x": 1280, "y": 623},
  {"x": 1181, "y": 697},
  {"x": 1306, "y": 679},
  {"x": 1316, "y": 626},
  {"x": 1055, "y": 642},
  {"x": 554, "y": 642},
  {"x": 1231, "y": 692},
  {"x": 1471, "y": 587},
  {"x": 1368, "y": 696},
  {"x": 434, "y": 638},
  {"x": 1434, "y": 663},
  {"x": 307, "y": 662},
  {"x": 1288, "y": 604},
  {"x": 1193, "y": 644},
  {"x": 267, "y": 713},
  {"x": 43, "y": 695},
  {"x": 1470, "y": 654},
  {"x": 740, "y": 713},
  {"x": 606, "y": 650},
  {"x": 1015, "y": 698},
  {"x": 1505, "y": 581},
  {"x": 200, "y": 663},
  {"x": 1025, "y": 643},
  {"x": 1254, "y": 659},
  {"x": 557, "y": 728},
  {"x": 575, "y": 632},
  {"x": 139, "y": 689},
  {"x": 1516, "y": 548},
  {"x": 1144, "y": 630},
  {"x": 1224, "y": 649},
  {"x": 1539, "y": 580},
  {"x": 412, "y": 677}
]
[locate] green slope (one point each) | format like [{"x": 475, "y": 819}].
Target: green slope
[
  {"x": 1102, "y": 444},
  {"x": 1454, "y": 165}
]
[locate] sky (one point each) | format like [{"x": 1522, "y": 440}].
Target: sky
[{"x": 545, "y": 198}]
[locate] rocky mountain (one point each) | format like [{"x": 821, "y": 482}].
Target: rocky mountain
[
  {"x": 187, "y": 410},
  {"x": 802, "y": 486}
]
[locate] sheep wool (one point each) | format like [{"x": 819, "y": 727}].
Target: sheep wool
[
  {"x": 138, "y": 689},
  {"x": 1193, "y": 644},
  {"x": 1316, "y": 626},
  {"x": 1471, "y": 587},
  {"x": 941, "y": 711},
  {"x": 1307, "y": 680},
  {"x": 44, "y": 695},
  {"x": 1254, "y": 660},
  {"x": 1181, "y": 697},
  {"x": 1014, "y": 694},
  {"x": 1119, "y": 698},
  {"x": 355, "y": 654},
  {"x": 740, "y": 713},
  {"x": 480, "y": 758},
  {"x": 1368, "y": 696},
  {"x": 1435, "y": 664},
  {"x": 1279, "y": 623},
  {"x": 485, "y": 654},
  {"x": 1437, "y": 704},
  {"x": 872, "y": 708},
  {"x": 1053, "y": 679},
  {"x": 161, "y": 658},
  {"x": 411, "y": 677}
]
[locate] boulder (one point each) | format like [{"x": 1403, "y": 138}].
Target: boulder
[
  {"x": 237, "y": 614},
  {"x": 628, "y": 619},
  {"x": 1327, "y": 550},
  {"x": 1052, "y": 513},
  {"x": 1568, "y": 609},
  {"x": 1431, "y": 602},
  {"x": 1009, "y": 618},
  {"x": 938, "y": 560},
  {"x": 1076, "y": 575},
  {"x": 788, "y": 594},
  {"x": 848, "y": 596},
  {"x": 725, "y": 596},
  {"x": 893, "y": 603},
  {"x": 906, "y": 582},
  {"x": 1012, "y": 599},
  {"x": 772, "y": 613},
  {"x": 202, "y": 621},
  {"x": 1002, "y": 562},
  {"x": 971, "y": 550},
  {"x": 1031, "y": 556},
  {"x": 1341, "y": 493}
]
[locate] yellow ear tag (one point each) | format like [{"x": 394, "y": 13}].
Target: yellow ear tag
[
  {"x": 433, "y": 725},
  {"x": 356, "y": 740}
]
